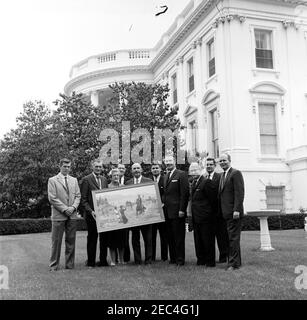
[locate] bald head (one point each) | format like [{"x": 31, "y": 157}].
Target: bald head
[
  {"x": 169, "y": 162},
  {"x": 136, "y": 170},
  {"x": 225, "y": 161},
  {"x": 194, "y": 169}
]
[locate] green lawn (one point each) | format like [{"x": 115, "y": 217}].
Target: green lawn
[{"x": 264, "y": 275}]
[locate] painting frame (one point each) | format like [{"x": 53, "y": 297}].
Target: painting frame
[{"x": 127, "y": 206}]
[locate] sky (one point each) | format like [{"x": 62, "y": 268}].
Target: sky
[{"x": 42, "y": 39}]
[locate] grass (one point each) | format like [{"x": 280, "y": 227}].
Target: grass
[{"x": 264, "y": 275}]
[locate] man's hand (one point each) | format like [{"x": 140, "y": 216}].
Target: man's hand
[
  {"x": 94, "y": 214},
  {"x": 181, "y": 214},
  {"x": 236, "y": 214},
  {"x": 70, "y": 211}
]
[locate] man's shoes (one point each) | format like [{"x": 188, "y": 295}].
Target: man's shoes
[
  {"x": 90, "y": 265},
  {"x": 147, "y": 262},
  {"x": 138, "y": 262},
  {"x": 180, "y": 264},
  {"x": 172, "y": 262},
  {"x": 231, "y": 268},
  {"x": 222, "y": 261},
  {"x": 102, "y": 264},
  {"x": 52, "y": 269}
]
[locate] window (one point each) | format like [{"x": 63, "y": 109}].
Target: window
[
  {"x": 267, "y": 125},
  {"x": 193, "y": 130},
  {"x": 191, "y": 74},
  {"x": 174, "y": 87},
  {"x": 275, "y": 198},
  {"x": 214, "y": 133},
  {"x": 264, "y": 52},
  {"x": 211, "y": 57}
]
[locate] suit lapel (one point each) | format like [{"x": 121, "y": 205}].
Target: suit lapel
[
  {"x": 198, "y": 182},
  {"x": 94, "y": 181},
  {"x": 71, "y": 183},
  {"x": 61, "y": 182},
  {"x": 196, "y": 185},
  {"x": 227, "y": 178},
  {"x": 171, "y": 177}
]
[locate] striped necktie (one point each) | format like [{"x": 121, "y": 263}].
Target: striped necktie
[{"x": 66, "y": 185}]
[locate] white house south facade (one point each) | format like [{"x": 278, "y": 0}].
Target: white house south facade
[{"x": 238, "y": 72}]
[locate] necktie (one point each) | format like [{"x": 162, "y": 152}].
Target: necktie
[
  {"x": 223, "y": 179},
  {"x": 98, "y": 181},
  {"x": 66, "y": 185},
  {"x": 168, "y": 177}
]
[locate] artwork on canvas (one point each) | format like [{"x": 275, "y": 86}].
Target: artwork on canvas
[{"x": 127, "y": 206}]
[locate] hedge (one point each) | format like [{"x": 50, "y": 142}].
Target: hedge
[
  {"x": 280, "y": 222},
  {"x": 21, "y": 226}
]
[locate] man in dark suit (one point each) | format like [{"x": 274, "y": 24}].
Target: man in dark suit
[
  {"x": 203, "y": 217},
  {"x": 91, "y": 182},
  {"x": 122, "y": 181},
  {"x": 231, "y": 197},
  {"x": 175, "y": 199},
  {"x": 159, "y": 178},
  {"x": 220, "y": 223},
  {"x": 146, "y": 230}
]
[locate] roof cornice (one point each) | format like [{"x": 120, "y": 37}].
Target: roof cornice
[
  {"x": 179, "y": 34},
  {"x": 102, "y": 73}
]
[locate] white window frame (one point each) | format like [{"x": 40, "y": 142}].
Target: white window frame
[
  {"x": 274, "y": 48},
  {"x": 192, "y": 121},
  {"x": 172, "y": 87},
  {"x": 276, "y": 102},
  {"x": 209, "y": 109},
  {"x": 192, "y": 57},
  {"x": 212, "y": 39}
]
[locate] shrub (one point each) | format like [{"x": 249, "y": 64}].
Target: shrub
[
  {"x": 21, "y": 226},
  {"x": 280, "y": 222}
]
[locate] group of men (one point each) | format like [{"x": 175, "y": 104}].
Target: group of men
[{"x": 212, "y": 203}]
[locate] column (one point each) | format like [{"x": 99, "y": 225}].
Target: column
[{"x": 94, "y": 98}]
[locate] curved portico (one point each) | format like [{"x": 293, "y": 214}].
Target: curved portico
[{"x": 92, "y": 76}]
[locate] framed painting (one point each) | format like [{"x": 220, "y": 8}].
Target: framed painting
[{"x": 127, "y": 206}]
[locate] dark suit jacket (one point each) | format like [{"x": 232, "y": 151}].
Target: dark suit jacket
[
  {"x": 143, "y": 180},
  {"x": 200, "y": 201},
  {"x": 231, "y": 196},
  {"x": 88, "y": 184},
  {"x": 176, "y": 194},
  {"x": 160, "y": 185},
  {"x": 213, "y": 191}
]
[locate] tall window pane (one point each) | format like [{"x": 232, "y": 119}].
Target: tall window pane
[
  {"x": 174, "y": 86},
  {"x": 214, "y": 133},
  {"x": 267, "y": 126},
  {"x": 191, "y": 74},
  {"x": 264, "y": 51},
  {"x": 211, "y": 57}
]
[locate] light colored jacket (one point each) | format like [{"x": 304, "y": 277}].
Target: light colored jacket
[{"x": 59, "y": 198}]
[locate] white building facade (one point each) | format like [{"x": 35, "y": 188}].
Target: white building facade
[{"x": 237, "y": 70}]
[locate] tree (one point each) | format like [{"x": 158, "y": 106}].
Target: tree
[
  {"x": 79, "y": 124},
  {"x": 27, "y": 153},
  {"x": 144, "y": 106}
]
